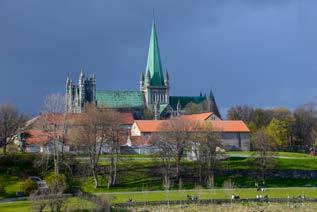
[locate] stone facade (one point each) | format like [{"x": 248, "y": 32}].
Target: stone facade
[{"x": 77, "y": 95}]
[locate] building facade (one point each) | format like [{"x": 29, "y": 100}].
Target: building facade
[
  {"x": 77, "y": 95},
  {"x": 153, "y": 93}
]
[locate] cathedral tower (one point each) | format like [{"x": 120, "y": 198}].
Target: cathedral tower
[
  {"x": 78, "y": 95},
  {"x": 154, "y": 85}
]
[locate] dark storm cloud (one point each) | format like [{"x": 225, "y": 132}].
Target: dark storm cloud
[{"x": 253, "y": 52}]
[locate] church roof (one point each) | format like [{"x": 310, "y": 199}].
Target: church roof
[
  {"x": 120, "y": 99},
  {"x": 214, "y": 106},
  {"x": 154, "y": 65},
  {"x": 198, "y": 117},
  {"x": 184, "y": 100}
]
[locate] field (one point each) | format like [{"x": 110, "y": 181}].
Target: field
[
  {"x": 122, "y": 197},
  {"x": 244, "y": 193},
  {"x": 281, "y": 207},
  {"x": 143, "y": 173}
]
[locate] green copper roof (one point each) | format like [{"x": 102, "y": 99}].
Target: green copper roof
[
  {"x": 120, "y": 99},
  {"x": 184, "y": 100},
  {"x": 162, "y": 107},
  {"x": 154, "y": 66}
]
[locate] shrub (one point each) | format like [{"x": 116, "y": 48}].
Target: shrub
[
  {"x": 12, "y": 148},
  {"x": 56, "y": 183},
  {"x": 28, "y": 186},
  {"x": 2, "y": 190}
]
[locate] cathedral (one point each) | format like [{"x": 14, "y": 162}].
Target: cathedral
[{"x": 153, "y": 94}]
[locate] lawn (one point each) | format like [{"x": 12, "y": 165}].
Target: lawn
[
  {"x": 121, "y": 197},
  {"x": 142, "y": 172},
  {"x": 72, "y": 203},
  {"x": 20, "y": 206}
]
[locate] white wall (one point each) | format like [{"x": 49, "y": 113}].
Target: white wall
[{"x": 135, "y": 130}]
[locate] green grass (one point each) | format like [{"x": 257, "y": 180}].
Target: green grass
[
  {"x": 20, "y": 206},
  {"x": 12, "y": 184},
  {"x": 141, "y": 172},
  {"x": 121, "y": 197},
  {"x": 279, "y": 154},
  {"x": 72, "y": 203},
  {"x": 285, "y": 160}
]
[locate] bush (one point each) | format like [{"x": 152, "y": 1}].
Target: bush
[
  {"x": 56, "y": 183},
  {"x": 28, "y": 186},
  {"x": 2, "y": 190}
]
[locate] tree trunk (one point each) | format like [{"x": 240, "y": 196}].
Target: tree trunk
[
  {"x": 95, "y": 176},
  {"x": 5, "y": 148},
  {"x": 115, "y": 171},
  {"x": 200, "y": 173},
  {"x": 110, "y": 172},
  {"x": 56, "y": 169}
]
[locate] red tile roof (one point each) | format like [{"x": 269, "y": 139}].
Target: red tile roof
[
  {"x": 36, "y": 135},
  {"x": 199, "y": 116},
  {"x": 151, "y": 126},
  {"x": 78, "y": 118}
]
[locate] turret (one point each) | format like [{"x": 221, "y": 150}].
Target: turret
[
  {"x": 93, "y": 89},
  {"x": 141, "y": 81},
  {"x": 166, "y": 78},
  {"x": 178, "y": 108},
  {"x": 81, "y": 77},
  {"x": 148, "y": 78},
  {"x": 82, "y": 91}
]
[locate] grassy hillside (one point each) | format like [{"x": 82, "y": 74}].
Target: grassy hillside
[{"x": 142, "y": 173}]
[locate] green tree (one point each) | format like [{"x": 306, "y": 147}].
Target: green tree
[
  {"x": 28, "y": 186},
  {"x": 264, "y": 157},
  {"x": 279, "y": 131}
]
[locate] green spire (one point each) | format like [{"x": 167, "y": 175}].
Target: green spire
[{"x": 154, "y": 66}]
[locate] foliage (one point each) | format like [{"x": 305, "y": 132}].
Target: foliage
[
  {"x": 11, "y": 122},
  {"x": 56, "y": 183},
  {"x": 279, "y": 131},
  {"x": 263, "y": 155},
  {"x": 28, "y": 186},
  {"x": 2, "y": 190}
]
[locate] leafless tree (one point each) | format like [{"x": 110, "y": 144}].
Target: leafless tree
[
  {"x": 114, "y": 135},
  {"x": 172, "y": 140},
  {"x": 53, "y": 122},
  {"x": 205, "y": 142},
  {"x": 38, "y": 201},
  {"x": 100, "y": 130},
  {"x": 11, "y": 122},
  {"x": 264, "y": 155}
]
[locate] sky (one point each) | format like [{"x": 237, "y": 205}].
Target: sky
[{"x": 250, "y": 52}]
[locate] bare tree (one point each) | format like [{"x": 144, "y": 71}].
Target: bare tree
[
  {"x": 53, "y": 122},
  {"x": 114, "y": 135},
  {"x": 11, "y": 122},
  {"x": 172, "y": 139},
  {"x": 101, "y": 129},
  {"x": 205, "y": 143},
  {"x": 264, "y": 155}
]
